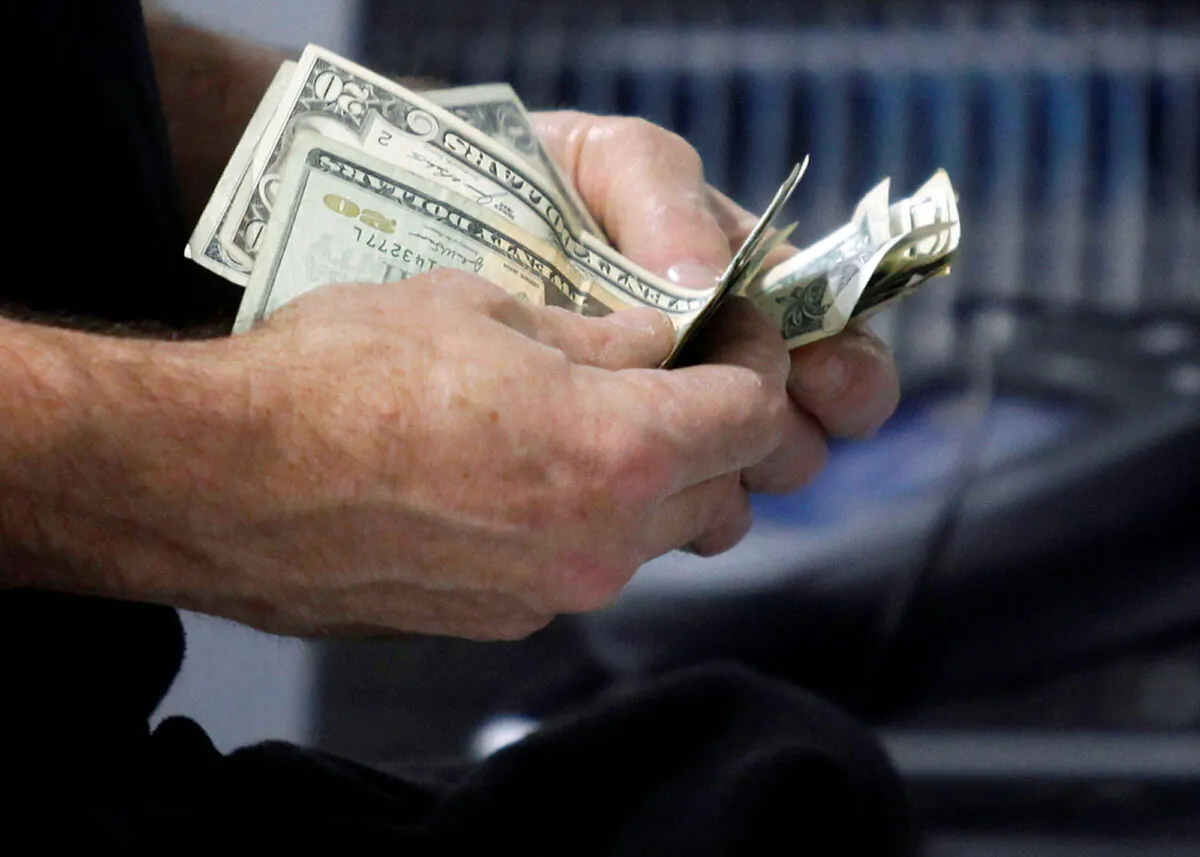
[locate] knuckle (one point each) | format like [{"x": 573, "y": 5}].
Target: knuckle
[
  {"x": 621, "y": 462},
  {"x": 636, "y": 468},
  {"x": 472, "y": 288},
  {"x": 598, "y": 340},
  {"x": 556, "y": 369},
  {"x": 643, "y": 136}
]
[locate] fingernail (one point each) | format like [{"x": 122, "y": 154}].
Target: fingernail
[
  {"x": 693, "y": 275},
  {"x": 826, "y": 379}
]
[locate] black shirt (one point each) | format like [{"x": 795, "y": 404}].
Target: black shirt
[
  {"x": 100, "y": 236},
  {"x": 97, "y": 240}
]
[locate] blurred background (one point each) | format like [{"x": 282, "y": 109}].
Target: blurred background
[{"x": 1007, "y": 579}]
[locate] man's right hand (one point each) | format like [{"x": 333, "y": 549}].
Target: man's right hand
[{"x": 429, "y": 456}]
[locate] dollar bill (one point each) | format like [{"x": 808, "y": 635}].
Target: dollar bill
[
  {"x": 205, "y": 246},
  {"x": 345, "y": 216},
  {"x": 821, "y": 303},
  {"x": 868, "y": 228},
  {"x": 745, "y": 265},
  {"x": 470, "y": 155},
  {"x": 935, "y": 202},
  {"x": 343, "y": 101},
  {"x": 897, "y": 277},
  {"x": 497, "y": 111},
  {"x": 884, "y": 253},
  {"x": 494, "y": 109}
]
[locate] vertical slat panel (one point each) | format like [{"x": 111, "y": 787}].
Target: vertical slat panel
[
  {"x": 1126, "y": 188},
  {"x": 539, "y": 63},
  {"x": 1061, "y": 273},
  {"x": 1003, "y": 246},
  {"x": 930, "y": 327},
  {"x": 655, "y": 58},
  {"x": 708, "y": 93},
  {"x": 1097, "y": 169},
  {"x": 829, "y": 100},
  {"x": 596, "y": 71},
  {"x": 1181, "y": 135},
  {"x": 889, "y": 93},
  {"x": 766, "y": 131},
  {"x": 489, "y": 57}
]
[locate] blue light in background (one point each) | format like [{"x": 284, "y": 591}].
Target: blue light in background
[{"x": 917, "y": 453}]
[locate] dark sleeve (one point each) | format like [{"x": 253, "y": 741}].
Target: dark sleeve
[{"x": 99, "y": 236}]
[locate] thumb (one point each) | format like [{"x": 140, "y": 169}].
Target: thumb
[{"x": 639, "y": 338}]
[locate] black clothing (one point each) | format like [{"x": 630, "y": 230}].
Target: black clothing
[
  {"x": 716, "y": 761},
  {"x": 91, "y": 177},
  {"x": 93, "y": 181}
]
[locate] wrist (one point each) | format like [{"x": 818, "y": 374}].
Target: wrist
[{"x": 108, "y": 456}]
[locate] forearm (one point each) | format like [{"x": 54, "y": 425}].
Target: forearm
[
  {"x": 210, "y": 85},
  {"x": 103, "y": 443}
]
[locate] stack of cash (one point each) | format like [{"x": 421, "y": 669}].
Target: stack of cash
[{"x": 346, "y": 176}]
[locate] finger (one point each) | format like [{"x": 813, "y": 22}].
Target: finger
[
  {"x": 587, "y": 583},
  {"x": 848, "y": 382},
  {"x": 725, "y": 533},
  {"x": 646, "y": 187},
  {"x": 724, "y": 415},
  {"x": 742, "y": 335},
  {"x": 631, "y": 339},
  {"x": 800, "y": 456},
  {"x": 702, "y": 519}
]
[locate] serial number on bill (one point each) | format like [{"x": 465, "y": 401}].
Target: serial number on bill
[{"x": 393, "y": 249}]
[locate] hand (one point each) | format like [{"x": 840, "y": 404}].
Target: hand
[
  {"x": 436, "y": 456},
  {"x": 646, "y": 187}
]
